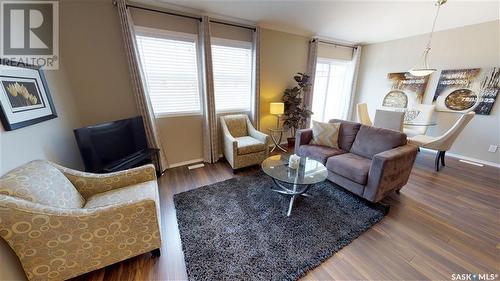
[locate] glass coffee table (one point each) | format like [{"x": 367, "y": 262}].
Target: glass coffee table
[{"x": 293, "y": 182}]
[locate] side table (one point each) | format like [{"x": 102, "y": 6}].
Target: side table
[{"x": 277, "y": 142}]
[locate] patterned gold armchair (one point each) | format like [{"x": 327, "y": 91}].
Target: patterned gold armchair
[
  {"x": 243, "y": 144},
  {"x": 62, "y": 223}
]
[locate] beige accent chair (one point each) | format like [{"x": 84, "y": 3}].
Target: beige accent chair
[
  {"x": 62, "y": 223},
  {"x": 424, "y": 117},
  {"x": 363, "y": 116},
  {"x": 444, "y": 142},
  {"x": 387, "y": 119},
  {"x": 243, "y": 145}
]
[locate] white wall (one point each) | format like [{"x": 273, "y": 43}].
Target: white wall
[{"x": 465, "y": 47}]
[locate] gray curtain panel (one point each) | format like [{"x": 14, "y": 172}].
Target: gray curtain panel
[
  {"x": 210, "y": 132},
  {"x": 312, "y": 59},
  {"x": 138, "y": 83},
  {"x": 356, "y": 58},
  {"x": 255, "y": 114}
]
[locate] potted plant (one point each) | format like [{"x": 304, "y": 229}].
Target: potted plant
[{"x": 296, "y": 113}]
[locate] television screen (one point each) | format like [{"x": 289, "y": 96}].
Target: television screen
[{"x": 103, "y": 144}]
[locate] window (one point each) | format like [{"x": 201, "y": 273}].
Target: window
[
  {"x": 332, "y": 90},
  {"x": 169, "y": 63},
  {"x": 232, "y": 68}
]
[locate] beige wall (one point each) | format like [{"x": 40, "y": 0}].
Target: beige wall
[
  {"x": 182, "y": 138},
  {"x": 93, "y": 50},
  {"x": 466, "y": 47},
  {"x": 281, "y": 56}
]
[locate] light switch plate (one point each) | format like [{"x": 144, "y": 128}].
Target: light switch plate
[{"x": 493, "y": 148}]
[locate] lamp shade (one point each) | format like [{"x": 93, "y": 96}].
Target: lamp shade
[{"x": 277, "y": 108}]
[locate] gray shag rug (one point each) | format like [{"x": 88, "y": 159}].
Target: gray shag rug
[{"x": 238, "y": 229}]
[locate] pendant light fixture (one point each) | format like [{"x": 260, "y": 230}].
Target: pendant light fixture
[{"x": 423, "y": 69}]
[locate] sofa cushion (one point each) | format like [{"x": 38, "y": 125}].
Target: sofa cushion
[
  {"x": 248, "y": 145},
  {"x": 136, "y": 192},
  {"x": 347, "y": 133},
  {"x": 40, "y": 182},
  {"x": 351, "y": 166},
  {"x": 372, "y": 140},
  {"x": 237, "y": 125},
  {"x": 318, "y": 152},
  {"x": 326, "y": 134}
]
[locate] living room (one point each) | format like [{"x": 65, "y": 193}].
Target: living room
[{"x": 369, "y": 147}]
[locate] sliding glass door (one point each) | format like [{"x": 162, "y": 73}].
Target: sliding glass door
[{"x": 332, "y": 89}]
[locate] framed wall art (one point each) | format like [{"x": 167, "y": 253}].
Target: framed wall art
[
  {"x": 24, "y": 96},
  {"x": 405, "y": 90},
  {"x": 463, "y": 90}
]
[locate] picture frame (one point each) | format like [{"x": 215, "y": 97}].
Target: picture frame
[
  {"x": 467, "y": 89},
  {"x": 25, "y": 97},
  {"x": 405, "y": 90}
]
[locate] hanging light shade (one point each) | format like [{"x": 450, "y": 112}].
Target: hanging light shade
[{"x": 423, "y": 69}]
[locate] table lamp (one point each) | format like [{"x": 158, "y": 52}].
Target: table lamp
[{"x": 277, "y": 108}]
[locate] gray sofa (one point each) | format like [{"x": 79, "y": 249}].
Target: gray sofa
[{"x": 370, "y": 162}]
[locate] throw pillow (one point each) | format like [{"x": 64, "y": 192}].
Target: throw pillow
[{"x": 326, "y": 134}]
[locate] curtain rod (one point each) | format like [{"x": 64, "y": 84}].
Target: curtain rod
[
  {"x": 335, "y": 44},
  {"x": 189, "y": 17},
  {"x": 163, "y": 12},
  {"x": 233, "y": 24}
]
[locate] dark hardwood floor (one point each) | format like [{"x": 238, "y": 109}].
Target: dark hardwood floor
[{"x": 442, "y": 223}]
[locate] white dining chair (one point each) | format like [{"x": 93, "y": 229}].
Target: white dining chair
[
  {"x": 444, "y": 142},
  {"x": 387, "y": 119},
  {"x": 363, "y": 116},
  {"x": 425, "y": 113}
]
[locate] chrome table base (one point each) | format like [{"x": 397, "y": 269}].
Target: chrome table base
[
  {"x": 297, "y": 190},
  {"x": 277, "y": 142}
]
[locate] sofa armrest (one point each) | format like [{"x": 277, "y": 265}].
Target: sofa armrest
[
  {"x": 89, "y": 184},
  {"x": 49, "y": 237},
  {"x": 389, "y": 171},
  {"x": 302, "y": 137}
]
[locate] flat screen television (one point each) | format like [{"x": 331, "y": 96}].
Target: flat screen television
[{"x": 110, "y": 143}]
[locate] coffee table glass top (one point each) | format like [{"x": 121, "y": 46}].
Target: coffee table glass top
[{"x": 310, "y": 171}]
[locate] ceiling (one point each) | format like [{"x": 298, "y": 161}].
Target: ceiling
[{"x": 350, "y": 21}]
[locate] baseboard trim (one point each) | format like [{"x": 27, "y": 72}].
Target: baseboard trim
[
  {"x": 459, "y": 157},
  {"x": 184, "y": 163}
]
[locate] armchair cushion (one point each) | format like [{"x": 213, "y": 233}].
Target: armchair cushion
[
  {"x": 40, "y": 182},
  {"x": 237, "y": 125},
  {"x": 248, "y": 145},
  {"x": 136, "y": 192},
  {"x": 351, "y": 166},
  {"x": 318, "y": 152}
]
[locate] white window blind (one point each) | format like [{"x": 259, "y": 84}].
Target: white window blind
[
  {"x": 169, "y": 64},
  {"x": 232, "y": 69}
]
